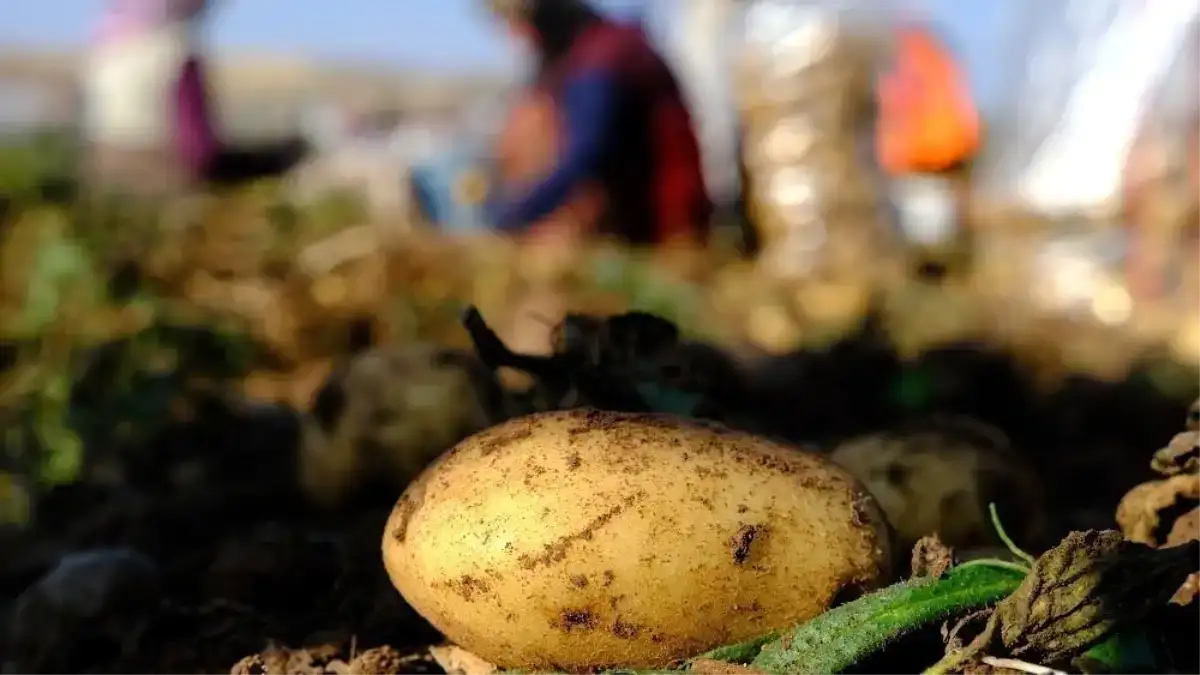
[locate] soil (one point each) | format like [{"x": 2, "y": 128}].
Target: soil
[
  {"x": 242, "y": 563},
  {"x": 247, "y": 575}
]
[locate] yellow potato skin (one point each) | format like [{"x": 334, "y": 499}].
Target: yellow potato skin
[{"x": 576, "y": 540}]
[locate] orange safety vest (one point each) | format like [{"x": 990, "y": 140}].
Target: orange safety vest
[{"x": 927, "y": 119}]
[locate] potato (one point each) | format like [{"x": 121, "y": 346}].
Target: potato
[
  {"x": 389, "y": 412},
  {"x": 581, "y": 539},
  {"x": 940, "y": 479}
]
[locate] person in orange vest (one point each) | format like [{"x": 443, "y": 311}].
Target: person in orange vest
[
  {"x": 928, "y": 122},
  {"x": 927, "y": 131}
]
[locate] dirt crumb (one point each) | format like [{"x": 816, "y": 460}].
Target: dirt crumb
[
  {"x": 502, "y": 438},
  {"x": 577, "y": 618},
  {"x": 931, "y": 558},
  {"x": 741, "y": 542},
  {"x": 468, "y": 587},
  {"x": 557, "y": 551},
  {"x": 378, "y": 661},
  {"x": 624, "y": 630}
]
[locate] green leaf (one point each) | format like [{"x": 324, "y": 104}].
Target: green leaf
[
  {"x": 63, "y": 459},
  {"x": 742, "y": 652},
  {"x": 1130, "y": 651},
  {"x": 845, "y": 635}
]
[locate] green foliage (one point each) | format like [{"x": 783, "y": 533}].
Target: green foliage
[
  {"x": 71, "y": 384},
  {"x": 30, "y": 165},
  {"x": 635, "y": 277}
]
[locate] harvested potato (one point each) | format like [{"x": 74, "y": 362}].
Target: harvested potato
[
  {"x": 939, "y": 479},
  {"x": 575, "y": 540},
  {"x": 390, "y": 412}
]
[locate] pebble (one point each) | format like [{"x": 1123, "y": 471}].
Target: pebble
[{"x": 99, "y": 593}]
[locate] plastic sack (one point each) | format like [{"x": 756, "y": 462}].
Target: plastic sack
[
  {"x": 805, "y": 94},
  {"x": 1086, "y": 88},
  {"x": 700, "y": 40}
]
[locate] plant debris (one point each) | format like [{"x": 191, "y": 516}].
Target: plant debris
[
  {"x": 1166, "y": 512},
  {"x": 1084, "y": 589},
  {"x": 1182, "y": 455},
  {"x": 1078, "y": 594},
  {"x": 931, "y": 558},
  {"x": 631, "y": 362}
]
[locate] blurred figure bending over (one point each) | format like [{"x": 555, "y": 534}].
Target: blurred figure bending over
[
  {"x": 624, "y": 124},
  {"x": 150, "y": 127}
]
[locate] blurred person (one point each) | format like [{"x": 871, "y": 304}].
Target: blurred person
[
  {"x": 624, "y": 128},
  {"x": 927, "y": 134},
  {"x": 149, "y": 124}
]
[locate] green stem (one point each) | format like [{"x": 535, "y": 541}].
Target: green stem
[
  {"x": 742, "y": 652},
  {"x": 1003, "y": 534},
  {"x": 992, "y": 562},
  {"x": 843, "y": 636}
]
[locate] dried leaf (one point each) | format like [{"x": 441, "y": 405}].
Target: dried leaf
[
  {"x": 1182, "y": 455},
  {"x": 1139, "y": 513},
  {"x": 1085, "y": 589},
  {"x": 931, "y": 558}
]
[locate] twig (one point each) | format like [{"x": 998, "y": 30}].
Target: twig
[
  {"x": 495, "y": 354},
  {"x": 1023, "y": 666}
]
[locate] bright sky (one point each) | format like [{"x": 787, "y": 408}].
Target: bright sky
[
  {"x": 426, "y": 33},
  {"x": 452, "y": 34}
]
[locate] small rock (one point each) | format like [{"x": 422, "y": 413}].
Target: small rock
[
  {"x": 101, "y": 595},
  {"x": 457, "y": 661}
]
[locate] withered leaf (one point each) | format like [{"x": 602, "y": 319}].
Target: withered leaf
[
  {"x": 1182, "y": 455},
  {"x": 931, "y": 557},
  {"x": 1141, "y": 509},
  {"x": 1083, "y": 590}
]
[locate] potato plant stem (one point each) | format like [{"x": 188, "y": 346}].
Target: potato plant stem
[
  {"x": 847, "y": 634},
  {"x": 742, "y": 652}
]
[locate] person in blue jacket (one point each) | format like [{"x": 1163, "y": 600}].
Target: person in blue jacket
[{"x": 627, "y": 127}]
